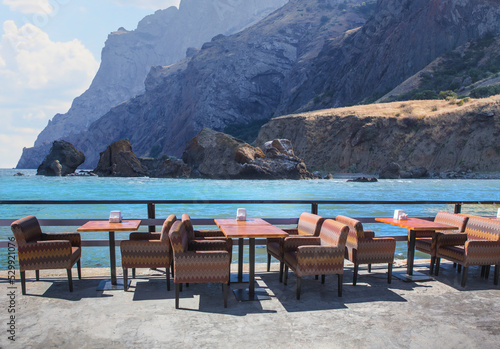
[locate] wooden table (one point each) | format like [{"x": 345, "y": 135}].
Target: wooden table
[
  {"x": 414, "y": 225},
  {"x": 251, "y": 228},
  {"x": 98, "y": 226}
]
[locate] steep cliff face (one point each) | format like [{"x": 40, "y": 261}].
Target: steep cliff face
[
  {"x": 398, "y": 41},
  {"x": 233, "y": 79},
  {"x": 160, "y": 39},
  {"x": 438, "y": 135}
]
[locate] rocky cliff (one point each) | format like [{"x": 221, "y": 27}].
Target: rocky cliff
[
  {"x": 232, "y": 80},
  {"x": 441, "y": 136},
  {"x": 160, "y": 39}
]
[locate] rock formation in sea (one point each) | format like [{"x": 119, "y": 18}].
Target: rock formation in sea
[
  {"x": 217, "y": 155},
  {"x": 118, "y": 160},
  {"x": 160, "y": 39},
  {"x": 62, "y": 160}
]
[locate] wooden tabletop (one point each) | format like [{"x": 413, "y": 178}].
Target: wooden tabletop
[
  {"x": 251, "y": 228},
  {"x": 128, "y": 225},
  {"x": 416, "y": 224}
]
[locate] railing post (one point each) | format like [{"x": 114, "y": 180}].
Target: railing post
[
  {"x": 151, "y": 215},
  {"x": 314, "y": 208},
  {"x": 458, "y": 208}
]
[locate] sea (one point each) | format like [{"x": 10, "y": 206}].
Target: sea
[{"x": 33, "y": 187}]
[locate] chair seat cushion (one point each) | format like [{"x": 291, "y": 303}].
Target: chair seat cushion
[{"x": 452, "y": 253}]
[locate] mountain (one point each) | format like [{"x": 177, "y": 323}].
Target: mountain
[
  {"x": 160, "y": 39},
  {"x": 440, "y": 135},
  {"x": 231, "y": 81}
]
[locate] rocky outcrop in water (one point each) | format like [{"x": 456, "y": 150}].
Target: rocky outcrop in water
[
  {"x": 62, "y": 160},
  {"x": 160, "y": 39},
  {"x": 214, "y": 154},
  {"x": 118, "y": 160},
  {"x": 166, "y": 168}
]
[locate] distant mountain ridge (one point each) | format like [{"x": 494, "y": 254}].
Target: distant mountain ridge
[
  {"x": 305, "y": 56},
  {"x": 160, "y": 39}
]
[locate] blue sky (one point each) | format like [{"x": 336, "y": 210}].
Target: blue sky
[{"x": 50, "y": 51}]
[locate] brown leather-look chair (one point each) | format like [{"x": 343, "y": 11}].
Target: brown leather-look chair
[
  {"x": 362, "y": 247},
  {"x": 191, "y": 266},
  {"x": 321, "y": 255},
  {"x": 37, "y": 250},
  {"x": 426, "y": 240},
  {"x": 309, "y": 225},
  {"x": 148, "y": 250}
]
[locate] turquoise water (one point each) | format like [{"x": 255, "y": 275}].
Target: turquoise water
[{"x": 32, "y": 187}]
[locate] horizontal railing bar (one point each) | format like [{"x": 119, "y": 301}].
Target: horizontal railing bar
[
  {"x": 105, "y": 243},
  {"x": 177, "y": 202}
]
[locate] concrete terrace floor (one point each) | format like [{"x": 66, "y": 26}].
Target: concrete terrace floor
[{"x": 373, "y": 314}]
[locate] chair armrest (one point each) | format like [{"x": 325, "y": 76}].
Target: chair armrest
[
  {"x": 453, "y": 239},
  {"x": 210, "y": 245},
  {"x": 144, "y": 236},
  {"x": 369, "y": 233},
  {"x": 74, "y": 238},
  {"x": 291, "y": 243},
  {"x": 144, "y": 246},
  {"x": 34, "y": 251},
  {"x": 483, "y": 248},
  {"x": 208, "y": 234}
]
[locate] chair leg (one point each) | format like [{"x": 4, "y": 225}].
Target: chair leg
[
  {"x": 168, "y": 279},
  {"x": 487, "y": 272},
  {"x": 37, "y": 275},
  {"x": 322, "y": 279},
  {"x": 316, "y": 277},
  {"x": 177, "y": 290},
  {"x": 355, "y": 274},
  {"x": 459, "y": 268},
  {"x": 369, "y": 268},
  {"x": 389, "y": 273},
  {"x": 340, "y": 281},
  {"x": 70, "y": 279},
  {"x": 454, "y": 265},
  {"x": 299, "y": 286},
  {"x": 133, "y": 273},
  {"x": 464, "y": 276},
  {"x": 285, "y": 280},
  {"x": 79, "y": 269},
  {"x": 268, "y": 262},
  {"x": 23, "y": 282},
  {"x": 224, "y": 289},
  {"x": 483, "y": 271},
  {"x": 125, "y": 278},
  {"x": 172, "y": 268},
  {"x": 282, "y": 265},
  {"x": 431, "y": 267},
  {"x": 438, "y": 262},
  {"x": 497, "y": 272}
]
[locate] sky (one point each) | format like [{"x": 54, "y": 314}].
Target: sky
[{"x": 50, "y": 51}]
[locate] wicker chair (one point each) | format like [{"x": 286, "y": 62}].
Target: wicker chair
[
  {"x": 197, "y": 266},
  {"x": 321, "y": 255},
  {"x": 362, "y": 247},
  {"x": 206, "y": 240},
  {"x": 426, "y": 240},
  {"x": 37, "y": 250},
  {"x": 478, "y": 245},
  {"x": 148, "y": 250},
  {"x": 309, "y": 225}
]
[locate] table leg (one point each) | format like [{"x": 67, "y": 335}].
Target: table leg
[
  {"x": 410, "y": 256},
  {"x": 251, "y": 261},
  {"x": 240, "y": 277},
  {"x": 112, "y": 257}
]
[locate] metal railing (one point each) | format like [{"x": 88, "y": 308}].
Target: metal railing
[{"x": 151, "y": 221}]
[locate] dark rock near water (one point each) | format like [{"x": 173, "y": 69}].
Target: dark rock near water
[
  {"x": 217, "y": 155},
  {"x": 118, "y": 160},
  {"x": 62, "y": 160},
  {"x": 363, "y": 180},
  {"x": 390, "y": 171},
  {"x": 19, "y": 174}
]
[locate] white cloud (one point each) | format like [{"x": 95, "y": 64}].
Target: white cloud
[
  {"x": 39, "y": 78},
  {"x": 149, "y": 4},
  {"x": 30, "y": 6}
]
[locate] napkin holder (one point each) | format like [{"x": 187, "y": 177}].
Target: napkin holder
[
  {"x": 241, "y": 214},
  {"x": 398, "y": 214},
  {"x": 115, "y": 217}
]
